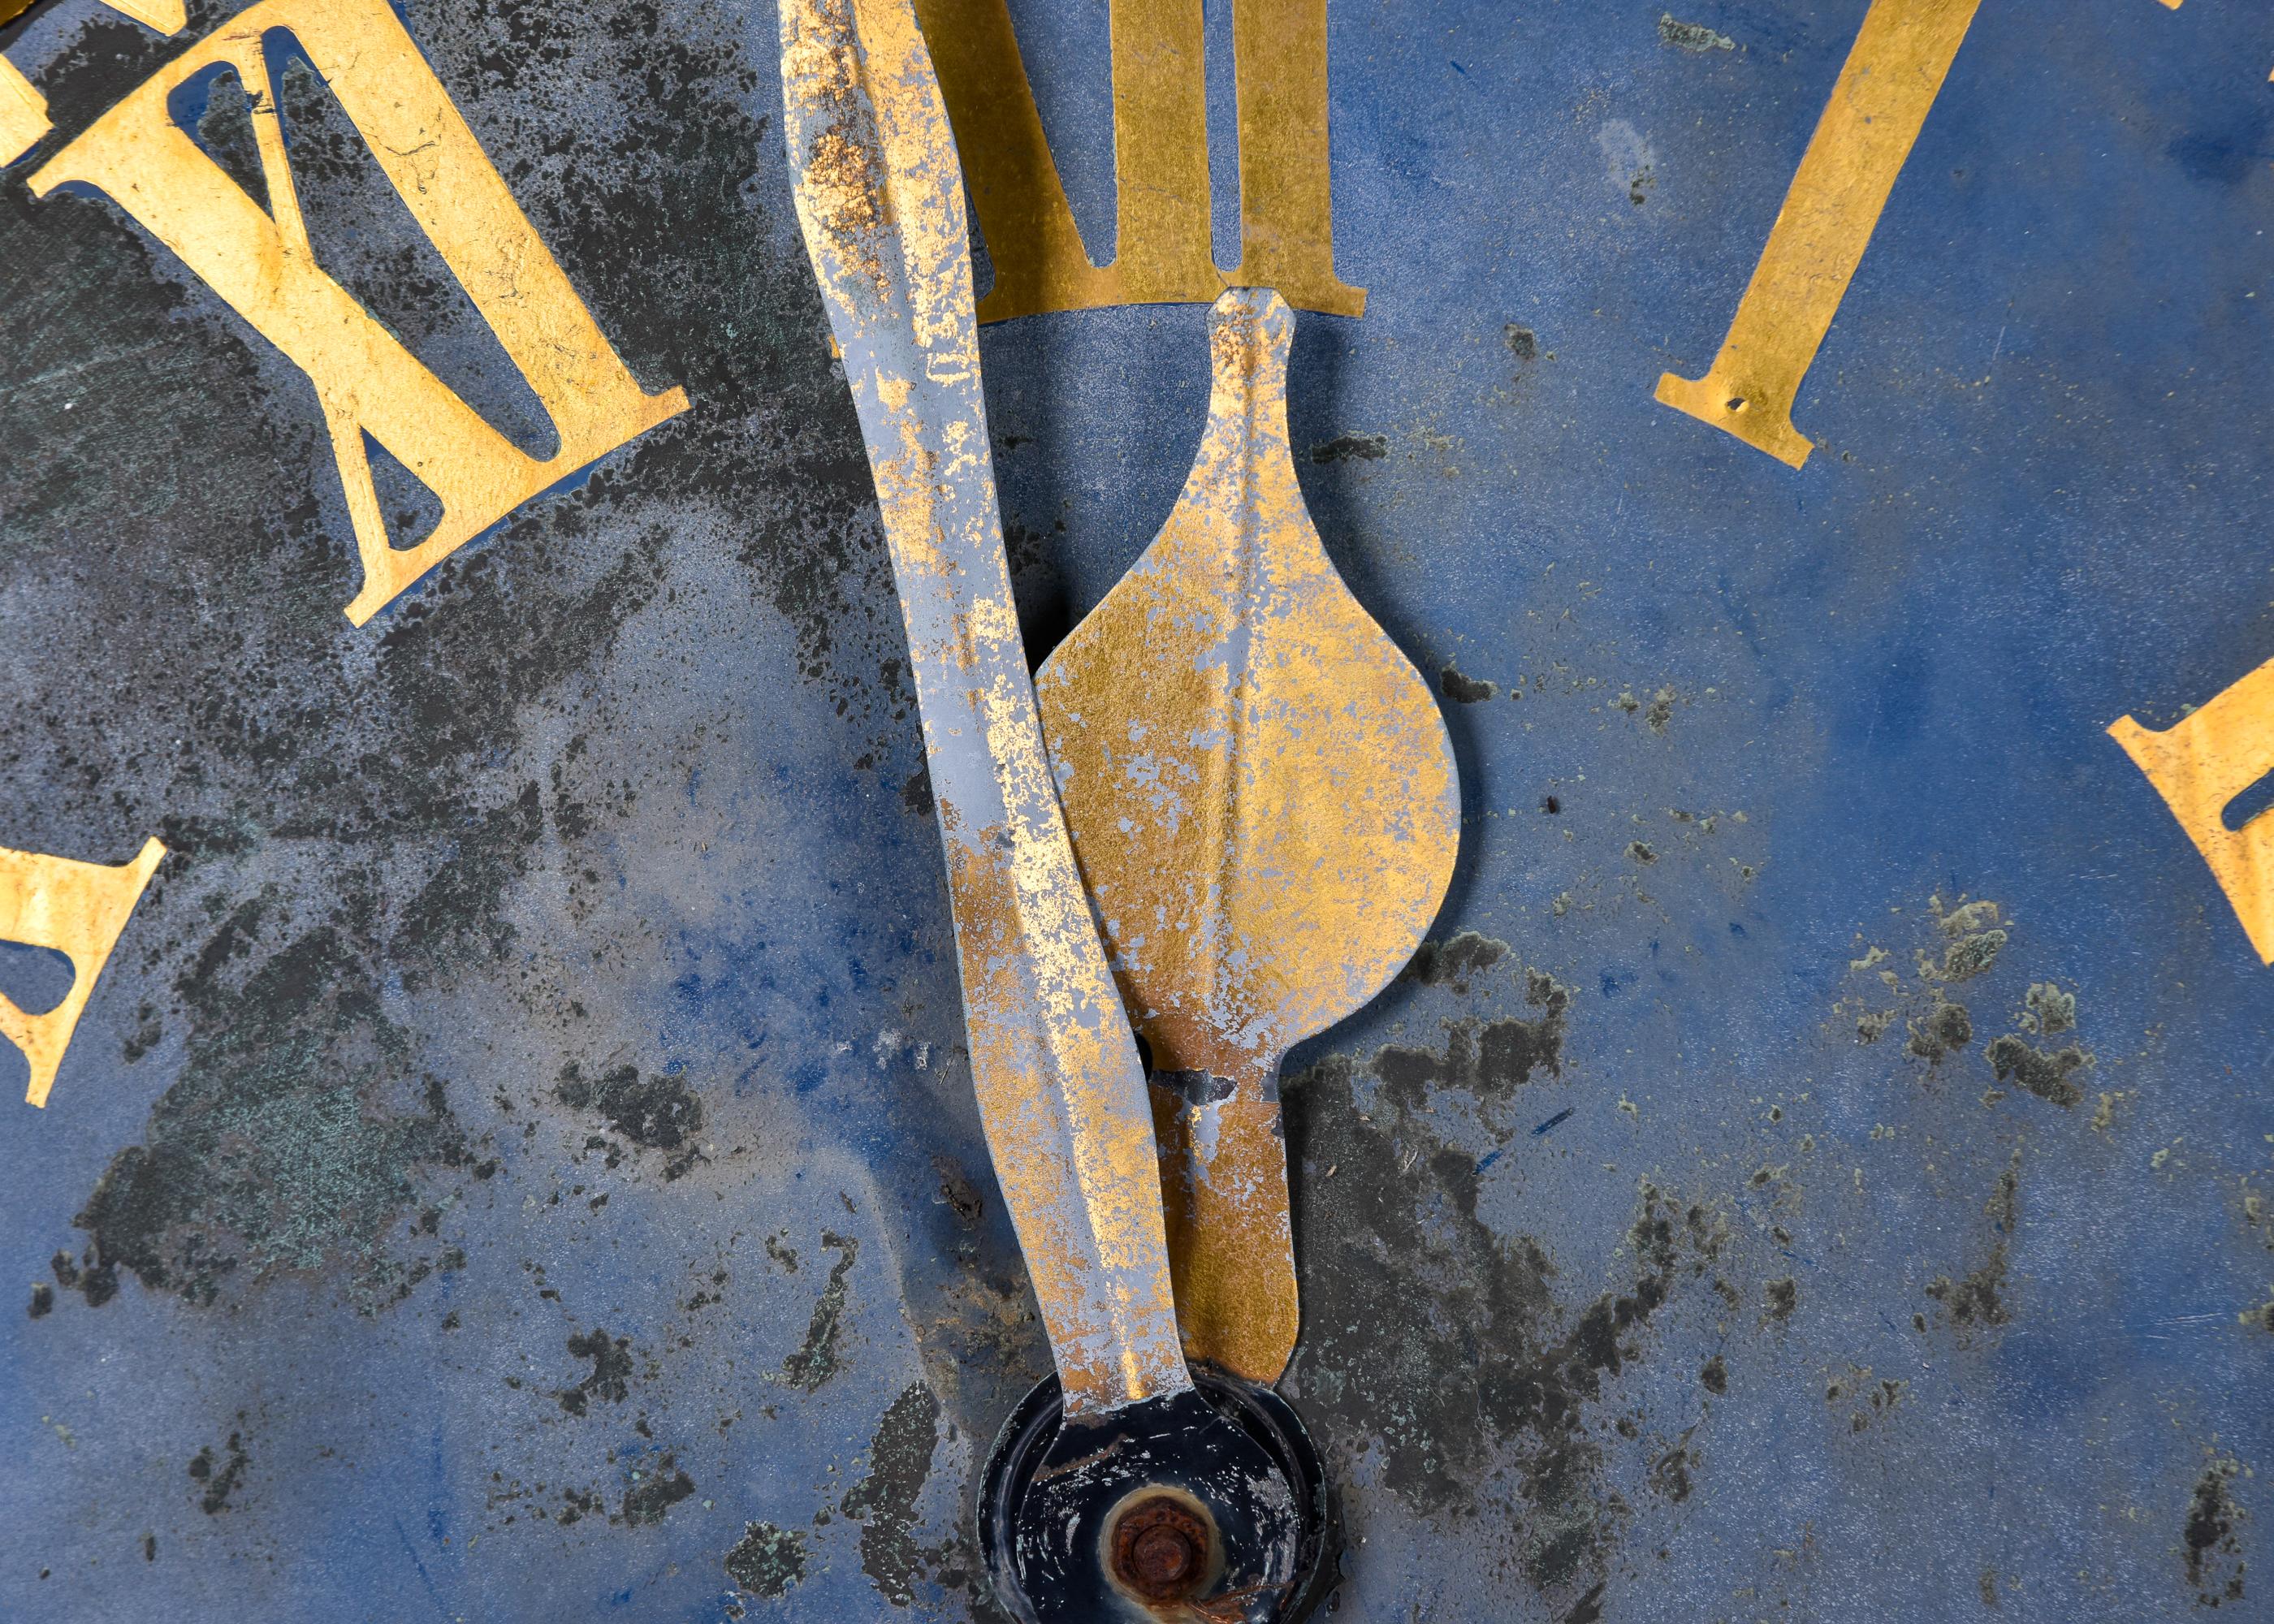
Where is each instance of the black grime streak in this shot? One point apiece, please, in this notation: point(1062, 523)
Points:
point(815, 1361)
point(1477, 1357)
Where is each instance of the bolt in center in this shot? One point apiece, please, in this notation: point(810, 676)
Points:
point(1160, 1548)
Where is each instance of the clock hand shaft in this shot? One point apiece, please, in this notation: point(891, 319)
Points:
point(1061, 1092)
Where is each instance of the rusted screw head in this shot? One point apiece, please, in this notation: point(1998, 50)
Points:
point(1160, 1548)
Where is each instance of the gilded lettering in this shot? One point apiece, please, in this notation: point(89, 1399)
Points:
point(367, 383)
point(77, 909)
point(2199, 765)
point(1878, 105)
point(1161, 249)
point(24, 111)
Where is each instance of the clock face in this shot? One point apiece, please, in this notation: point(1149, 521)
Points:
point(502, 1139)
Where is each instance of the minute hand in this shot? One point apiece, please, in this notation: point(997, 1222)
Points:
point(1061, 1092)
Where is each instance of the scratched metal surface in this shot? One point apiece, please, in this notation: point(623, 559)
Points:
point(519, 1162)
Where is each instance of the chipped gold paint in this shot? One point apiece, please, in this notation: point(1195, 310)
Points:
point(77, 909)
point(1263, 802)
point(1163, 249)
point(2199, 765)
point(880, 198)
point(1878, 105)
point(367, 383)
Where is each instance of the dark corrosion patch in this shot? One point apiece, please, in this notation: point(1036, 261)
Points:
point(1480, 1358)
point(767, 1560)
point(884, 1502)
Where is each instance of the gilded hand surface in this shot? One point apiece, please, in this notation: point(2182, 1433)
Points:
point(1061, 1092)
point(1262, 799)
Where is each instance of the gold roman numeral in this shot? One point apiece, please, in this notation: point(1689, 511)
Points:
point(365, 381)
point(1161, 252)
point(24, 111)
point(2199, 765)
point(1880, 104)
point(76, 909)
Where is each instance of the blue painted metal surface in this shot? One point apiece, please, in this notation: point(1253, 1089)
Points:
point(520, 1162)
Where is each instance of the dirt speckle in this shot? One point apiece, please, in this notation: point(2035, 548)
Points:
point(2044, 1074)
point(649, 1500)
point(1869, 1397)
point(44, 1300)
point(2047, 1010)
point(610, 1376)
point(2213, 1550)
point(1522, 342)
point(1978, 1300)
point(1455, 961)
point(98, 1283)
point(1695, 38)
point(1465, 690)
point(217, 1478)
point(1941, 1031)
point(1714, 1376)
point(1671, 1472)
point(767, 1560)
point(1780, 1297)
point(958, 1194)
point(1343, 448)
point(657, 1113)
point(1970, 955)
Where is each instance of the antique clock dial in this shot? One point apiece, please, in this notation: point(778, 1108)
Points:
point(958, 809)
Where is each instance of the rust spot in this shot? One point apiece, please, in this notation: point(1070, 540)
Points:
point(1160, 1548)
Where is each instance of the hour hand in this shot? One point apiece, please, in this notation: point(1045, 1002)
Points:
point(1262, 799)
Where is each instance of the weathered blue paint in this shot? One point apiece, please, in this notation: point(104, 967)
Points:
point(2044, 444)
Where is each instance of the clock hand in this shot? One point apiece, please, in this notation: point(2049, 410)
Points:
point(1121, 1491)
point(1263, 801)
point(1061, 1092)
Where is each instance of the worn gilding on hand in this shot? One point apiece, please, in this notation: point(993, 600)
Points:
point(1263, 802)
point(1878, 104)
point(1060, 1090)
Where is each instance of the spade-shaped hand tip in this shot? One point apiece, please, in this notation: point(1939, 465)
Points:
point(1262, 799)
